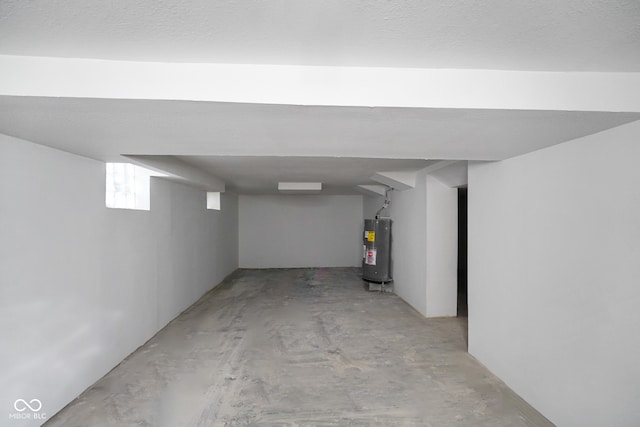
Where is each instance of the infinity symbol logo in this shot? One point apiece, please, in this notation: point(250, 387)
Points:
point(22, 405)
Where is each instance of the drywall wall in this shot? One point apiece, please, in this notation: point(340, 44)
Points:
point(82, 286)
point(424, 244)
point(371, 205)
point(409, 243)
point(554, 245)
point(287, 231)
point(442, 248)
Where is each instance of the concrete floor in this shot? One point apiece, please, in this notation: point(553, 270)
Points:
point(301, 347)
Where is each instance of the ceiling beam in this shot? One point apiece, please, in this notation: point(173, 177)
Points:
point(373, 190)
point(454, 174)
point(398, 180)
point(178, 170)
point(321, 86)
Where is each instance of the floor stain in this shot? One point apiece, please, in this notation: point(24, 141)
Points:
point(301, 347)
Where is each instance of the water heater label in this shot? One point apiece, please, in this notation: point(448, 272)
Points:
point(372, 236)
point(371, 257)
point(366, 234)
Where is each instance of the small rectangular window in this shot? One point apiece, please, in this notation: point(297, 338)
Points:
point(128, 186)
point(213, 200)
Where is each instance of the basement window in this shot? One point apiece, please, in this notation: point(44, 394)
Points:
point(128, 186)
point(213, 200)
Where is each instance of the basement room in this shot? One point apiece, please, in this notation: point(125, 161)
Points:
point(336, 213)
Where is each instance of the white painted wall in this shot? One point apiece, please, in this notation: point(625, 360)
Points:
point(409, 243)
point(82, 286)
point(442, 248)
point(554, 262)
point(288, 231)
point(371, 205)
point(424, 244)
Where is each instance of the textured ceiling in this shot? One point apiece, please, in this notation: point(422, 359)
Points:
point(599, 35)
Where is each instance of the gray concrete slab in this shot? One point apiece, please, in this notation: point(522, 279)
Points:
point(301, 347)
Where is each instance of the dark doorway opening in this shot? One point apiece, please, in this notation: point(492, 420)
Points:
point(462, 252)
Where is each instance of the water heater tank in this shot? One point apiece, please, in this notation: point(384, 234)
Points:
point(376, 263)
